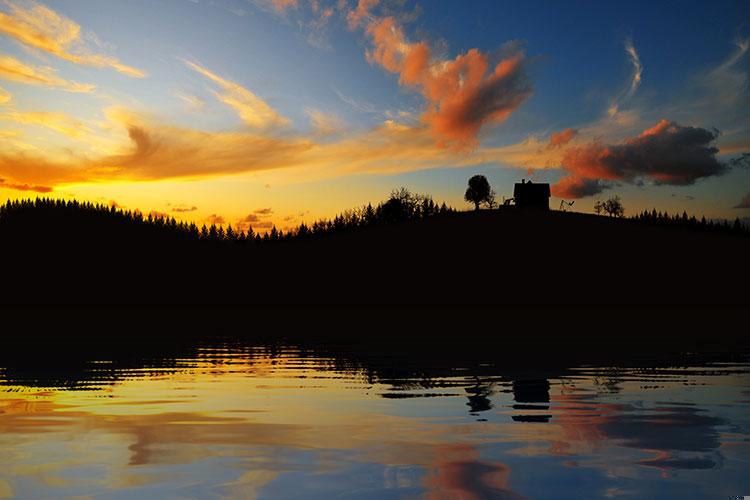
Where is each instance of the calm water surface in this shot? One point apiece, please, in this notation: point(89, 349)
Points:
point(254, 421)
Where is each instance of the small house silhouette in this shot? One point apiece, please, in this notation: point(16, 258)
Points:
point(530, 195)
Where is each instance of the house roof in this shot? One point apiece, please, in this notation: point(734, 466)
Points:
point(531, 189)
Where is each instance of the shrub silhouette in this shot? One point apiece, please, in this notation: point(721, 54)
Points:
point(612, 207)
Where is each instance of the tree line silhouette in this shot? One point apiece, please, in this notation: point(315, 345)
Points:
point(683, 221)
point(401, 206)
point(19, 216)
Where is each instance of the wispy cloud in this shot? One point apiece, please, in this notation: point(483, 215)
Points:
point(317, 27)
point(55, 121)
point(323, 123)
point(14, 70)
point(253, 110)
point(743, 45)
point(359, 105)
point(728, 82)
point(5, 96)
point(635, 78)
point(237, 11)
point(40, 27)
point(191, 101)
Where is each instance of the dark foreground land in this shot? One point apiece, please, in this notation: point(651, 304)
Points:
point(493, 258)
point(517, 288)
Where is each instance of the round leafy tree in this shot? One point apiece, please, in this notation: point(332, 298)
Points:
point(479, 191)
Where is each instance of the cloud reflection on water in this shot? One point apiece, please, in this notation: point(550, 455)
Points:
point(258, 423)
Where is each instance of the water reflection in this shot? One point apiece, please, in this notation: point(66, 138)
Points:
point(254, 419)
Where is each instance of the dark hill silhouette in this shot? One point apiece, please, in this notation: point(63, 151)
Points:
point(70, 253)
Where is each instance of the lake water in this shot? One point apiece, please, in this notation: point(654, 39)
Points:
point(251, 420)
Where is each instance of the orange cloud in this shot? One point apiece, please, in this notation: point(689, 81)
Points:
point(42, 28)
point(14, 70)
point(154, 151)
point(168, 152)
point(462, 94)
point(253, 110)
point(24, 187)
point(23, 168)
point(562, 138)
point(572, 186)
point(667, 153)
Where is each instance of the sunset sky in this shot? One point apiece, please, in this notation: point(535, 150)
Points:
point(269, 112)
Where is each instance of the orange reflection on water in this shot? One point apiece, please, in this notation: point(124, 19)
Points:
point(254, 424)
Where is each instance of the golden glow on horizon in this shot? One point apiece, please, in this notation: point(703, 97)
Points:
point(160, 152)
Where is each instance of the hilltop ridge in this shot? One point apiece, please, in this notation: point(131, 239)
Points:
point(504, 256)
